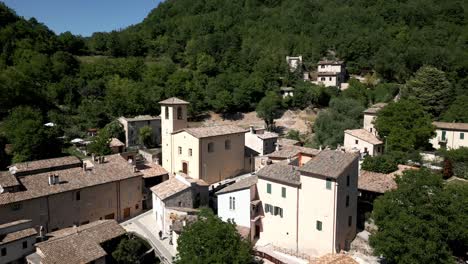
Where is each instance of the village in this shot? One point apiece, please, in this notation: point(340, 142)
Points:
point(295, 204)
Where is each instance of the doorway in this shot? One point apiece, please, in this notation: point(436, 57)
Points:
point(185, 167)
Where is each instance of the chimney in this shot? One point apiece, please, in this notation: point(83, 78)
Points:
point(252, 130)
point(51, 179)
point(278, 147)
point(103, 159)
point(93, 157)
point(56, 179)
point(84, 166)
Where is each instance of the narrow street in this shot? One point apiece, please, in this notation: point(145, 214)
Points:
point(145, 226)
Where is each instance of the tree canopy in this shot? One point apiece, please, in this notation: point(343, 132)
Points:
point(404, 125)
point(422, 221)
point(210, 240)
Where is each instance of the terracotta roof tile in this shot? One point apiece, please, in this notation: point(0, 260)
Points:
point(7, 179)
point(329, 163)
point(364, 135)
point(292, 151)
point(141, 118)
point(115, 142)
point(375, 108)
point(280, 172)
point(115, 168)
point(212, 131)
point(451, 126)
point(173, 100)
point(50, 164)
point(239, 185)
point(150, 170)
point(287, 142)
point(267, 135)
point(169, 188)
point(79, 244)
point(335, 259)
point(17, 235)
point(380, 182)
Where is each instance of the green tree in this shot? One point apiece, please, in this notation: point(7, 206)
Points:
point(294, 134)
point(145, 136)
point(115, 130)
point(383, 164)
point(100, 144)
point(457, 112)
point(24, 129)
point(130, 250)
point(210, 240)
point(404, 125)
point(269, 108)
point(422, 221)
point(431, 89)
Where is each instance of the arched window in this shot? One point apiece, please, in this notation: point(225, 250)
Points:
point(166, 111)
point(227, 144)
point(179, 113)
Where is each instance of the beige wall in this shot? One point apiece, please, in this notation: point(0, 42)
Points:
point(221, 163)
point(453, 140)
point(276, 230)
point(167, 127)
point(63, 210)
point(350, 142)
point(369, 123)
point(186, 142)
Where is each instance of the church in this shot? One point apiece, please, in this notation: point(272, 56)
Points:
point(211, 154)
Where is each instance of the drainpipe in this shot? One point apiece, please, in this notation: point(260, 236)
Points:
point(334, 217)
point(297, 221)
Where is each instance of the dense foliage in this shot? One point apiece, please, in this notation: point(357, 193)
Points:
point(131, 250)
point(210, 240)
point(456, 162)
point(405, 126)
point(382, 164)
point(423, 221)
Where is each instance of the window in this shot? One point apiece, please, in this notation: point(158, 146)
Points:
point(210, 147)
point(347, 180)
point(350, 220)
point(78, 195)
point(322, 79)
point(166, 112)
point(347, 200)
point(278, 211)
point(232, 203)
point(190, 152)
point(371, 129)
point(330, 78)
point(137, 206)
point(378, 149)
point(322, 66)
point(356, 142)
point(462, 135)
point(179, 113)
point(180, 150)
point(227, 144)
point(319, 225)
point(16, 207)
point(269, 188)
point(444, 134)
point(329, 184)
point(268, 208)
point(25, 244)
point(283, 192)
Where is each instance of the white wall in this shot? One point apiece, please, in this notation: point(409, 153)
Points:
point(453, 139)
point(158, 211)
point(369, 123)
point(330, 68)
point(241, 213)
point(350, 142)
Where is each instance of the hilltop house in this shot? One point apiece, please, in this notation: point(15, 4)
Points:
point(450, 135)
point(132, 126)
point(330, 73)
point(210, 154)
point(365, 140)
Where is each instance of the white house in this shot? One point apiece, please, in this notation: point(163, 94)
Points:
point(17, 240)
point(238, 202)
point(330, 73)
point(365, 140)
point(450, 135)
point(259, 142)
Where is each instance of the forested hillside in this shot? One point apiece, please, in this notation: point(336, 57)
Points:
point(220, 55)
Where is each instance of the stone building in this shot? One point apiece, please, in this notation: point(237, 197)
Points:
point(63, 192)
point(132, 126)
point(17, 240)
point(210, 154)
point(330, 73)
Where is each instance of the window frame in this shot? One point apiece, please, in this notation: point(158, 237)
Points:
point(462, 135)
point(319, 225)
point(77, 196)
point(347, 201)
point(190, 152)
point(283, 192)
point(350, 220)
point(210, 147)
point(179, 150)
point(166, 112)
point(328, 184)
point(25, 244)
point(180, 115)
point(269, 188)
point(227, 144)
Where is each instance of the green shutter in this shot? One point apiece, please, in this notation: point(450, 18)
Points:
point(283, 192)
point(462, 135)
point(268, 188)
point(443, 134)
point(319, 226)
point(329, 184)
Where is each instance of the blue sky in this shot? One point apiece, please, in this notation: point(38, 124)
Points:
point(84, 17)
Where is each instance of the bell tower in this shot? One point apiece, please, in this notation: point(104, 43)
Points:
point(173, 118)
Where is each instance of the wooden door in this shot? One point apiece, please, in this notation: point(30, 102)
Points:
point(126, 212)
point(185, 167)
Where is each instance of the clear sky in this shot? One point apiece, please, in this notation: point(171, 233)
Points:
point(83, 17)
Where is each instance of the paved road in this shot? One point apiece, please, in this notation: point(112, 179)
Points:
point(143, 225)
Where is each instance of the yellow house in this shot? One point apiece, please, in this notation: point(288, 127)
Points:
point(310, 209)
point(450, 135)
point(211, 154)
